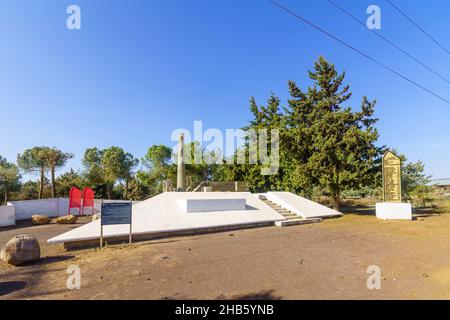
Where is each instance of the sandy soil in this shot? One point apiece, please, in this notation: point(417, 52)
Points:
point(327, 260)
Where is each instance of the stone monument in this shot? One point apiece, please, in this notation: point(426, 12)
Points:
point(392, 206)
point(181, 175)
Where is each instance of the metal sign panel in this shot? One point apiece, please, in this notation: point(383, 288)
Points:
point(116, 213)
point(392, 191)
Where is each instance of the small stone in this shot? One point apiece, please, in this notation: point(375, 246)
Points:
point(21, 249)
point(69, 219)
point(39, 219)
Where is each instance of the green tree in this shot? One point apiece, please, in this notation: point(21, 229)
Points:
point(340, 149)
point(9, 178)
point(93, 171)
point(269, 117)
point(28, 190)
point(129, 164)
point(55, 159)
point(203, 170)
point(68, 180)
point(324, 144)
point(159, 167)
point(422, 195)
point(112, 164)
point(108, 166)
point(413, 176)
point(35, 160)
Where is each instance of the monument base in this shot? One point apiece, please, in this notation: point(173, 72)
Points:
point(394, 211)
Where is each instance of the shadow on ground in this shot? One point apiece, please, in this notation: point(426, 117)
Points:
point(359, 210)
point(262, 295)
point(49, 260)
point(11, 286)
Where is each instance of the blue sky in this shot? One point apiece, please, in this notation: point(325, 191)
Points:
point(137, 70)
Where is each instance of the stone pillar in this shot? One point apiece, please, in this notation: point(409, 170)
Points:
point(181, 175)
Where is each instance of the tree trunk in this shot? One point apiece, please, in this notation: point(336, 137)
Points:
point(108, 191)
point(336, 203)
point(6, 194)
point(126, 189)
point(52, 170)
point(41, 184)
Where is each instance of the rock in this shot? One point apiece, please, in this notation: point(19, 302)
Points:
point(95, 216)
point(21, 249)
point(39, 219)
point(69, 219)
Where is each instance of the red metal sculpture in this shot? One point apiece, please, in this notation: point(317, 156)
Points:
point(75, 199)
point(88, 199)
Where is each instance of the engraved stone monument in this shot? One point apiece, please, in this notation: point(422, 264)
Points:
point(392, 206)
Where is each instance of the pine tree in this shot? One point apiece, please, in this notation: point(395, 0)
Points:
point(334, 146)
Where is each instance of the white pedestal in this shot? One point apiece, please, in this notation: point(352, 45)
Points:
point(394, 211)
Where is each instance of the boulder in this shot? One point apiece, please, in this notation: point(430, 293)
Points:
point(70, 219)
point(39, 219)
point(21, 249)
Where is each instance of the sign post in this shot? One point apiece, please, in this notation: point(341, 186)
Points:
point(115, 213)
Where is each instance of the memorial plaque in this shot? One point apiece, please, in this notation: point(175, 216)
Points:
point(392, 191)
point(116, 213)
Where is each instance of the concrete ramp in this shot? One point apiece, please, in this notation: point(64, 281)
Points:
point(301, 206)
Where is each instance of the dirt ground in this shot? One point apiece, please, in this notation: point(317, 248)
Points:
point(327, 260)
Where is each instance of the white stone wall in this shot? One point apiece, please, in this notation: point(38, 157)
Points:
point(54, 207)
point(7, 216)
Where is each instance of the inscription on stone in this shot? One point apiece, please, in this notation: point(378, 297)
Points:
point(391, 178)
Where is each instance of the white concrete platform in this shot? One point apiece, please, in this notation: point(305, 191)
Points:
point(163, 213)
point(393, 211)
point(301, 206)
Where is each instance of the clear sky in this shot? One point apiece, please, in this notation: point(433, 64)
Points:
point(137, 70)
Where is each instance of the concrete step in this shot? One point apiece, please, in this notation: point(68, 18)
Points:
point(283, 211)
point(293, 222)
point(292, 217)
